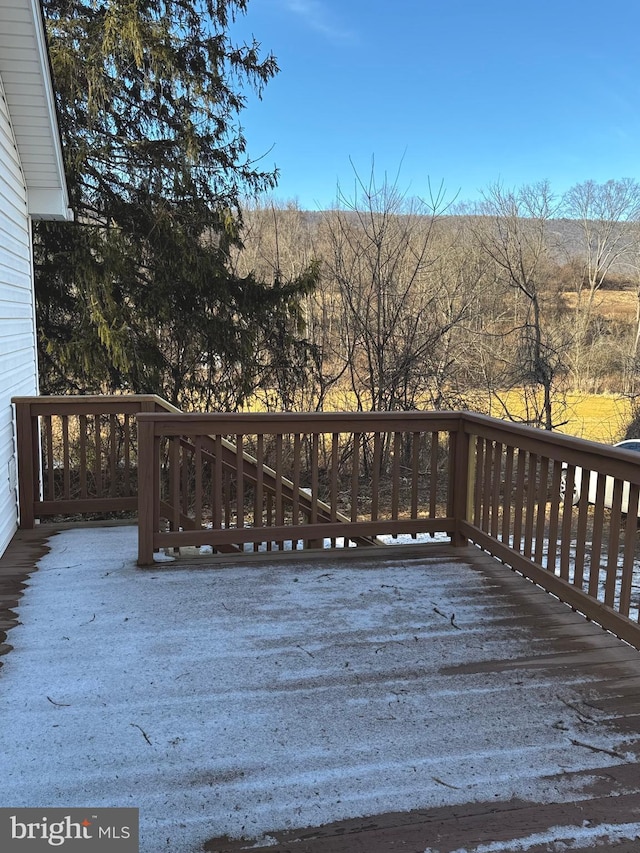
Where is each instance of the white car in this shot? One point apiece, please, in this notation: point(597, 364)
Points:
point(628, 444)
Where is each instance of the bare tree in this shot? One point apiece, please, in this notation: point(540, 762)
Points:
point(606, 214)
point(512, 230)
point(386, 260)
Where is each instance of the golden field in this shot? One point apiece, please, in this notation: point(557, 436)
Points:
point(597, 417)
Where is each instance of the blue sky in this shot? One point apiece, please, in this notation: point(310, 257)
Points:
point(465, 92)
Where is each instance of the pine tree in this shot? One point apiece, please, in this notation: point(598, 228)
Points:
point(138, 293)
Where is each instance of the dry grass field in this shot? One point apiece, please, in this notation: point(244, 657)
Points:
point(597, 417)
point(611, 304)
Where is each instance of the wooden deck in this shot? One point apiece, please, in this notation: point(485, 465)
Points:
point(604, 674)
point(603, 670)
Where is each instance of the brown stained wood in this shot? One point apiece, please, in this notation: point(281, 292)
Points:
point(495, 488)
point(596, 541)
point(240, 482)
point(487, 479)
point(227, 498)
point(314, 478)
point(375, 476)
point(415, 472)
point(66, 472)
point(433, 474)
point(217, 485)
point(148, 493)
point(630, 534)
point(530, 504)
point(567, 521)
point(113, 454)
point(581, 537)
point(508, 491)
point(198, 466)
point(541, 508)
point(355, 475)
point(295, 499)
point(453, 828)
point(127, 453)
point(48, 433)
point(279, 519)
point(554, 516)
point(479, 482)
point(518, 503)
point(174, 481)
point(83, 455)
point(395, 474)
point(615, 519)
point(97, 462)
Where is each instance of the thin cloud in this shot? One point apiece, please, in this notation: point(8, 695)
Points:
point(318, 17)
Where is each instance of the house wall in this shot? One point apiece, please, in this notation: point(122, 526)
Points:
point(18, 362)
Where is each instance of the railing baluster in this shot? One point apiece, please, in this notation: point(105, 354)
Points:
point(113, 454)
point(554, 514)
point(240, 486)
point(487, 483)
point(333, 499)
point(495, 489)
point(479, 483)
point(97, 462)
point(596, 542)
point(83, 456)
point(278, 495)
point(518, 503)
point(197, 472)
point(66, 462)
point(629, 547)
point(415, 475)
point(581, 535)
point(567, 521)
point(433, 484)
point(127, 453)
point(615, 520)
point(508, 488)
point(375, 475)
point(48, 431)
point(541, 500)
point(217, 492)
point(295, 503)
point(395, 478)
point(530, 504)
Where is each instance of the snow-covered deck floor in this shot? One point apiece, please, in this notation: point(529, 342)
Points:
point(447, 701)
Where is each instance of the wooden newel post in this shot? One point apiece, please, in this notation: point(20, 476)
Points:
point(28, 451)
point(148, 485)
point(462, 482)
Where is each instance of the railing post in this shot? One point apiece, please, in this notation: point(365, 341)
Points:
point(460, 480)
point(148, 485)
point(28, 452)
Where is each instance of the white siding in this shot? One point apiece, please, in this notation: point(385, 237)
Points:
point(18, 365)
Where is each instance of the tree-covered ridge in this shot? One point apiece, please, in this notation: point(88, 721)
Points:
point(139, 294)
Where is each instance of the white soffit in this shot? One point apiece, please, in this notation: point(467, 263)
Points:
point(26, 78)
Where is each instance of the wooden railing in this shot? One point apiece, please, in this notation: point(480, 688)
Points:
point(474, 478)
point(78, 455)
point(360, 476)
point(283, 481)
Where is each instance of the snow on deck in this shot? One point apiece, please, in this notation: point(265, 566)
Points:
point(244, 700)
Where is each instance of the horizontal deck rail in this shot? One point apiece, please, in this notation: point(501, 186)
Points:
point(560, 510)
